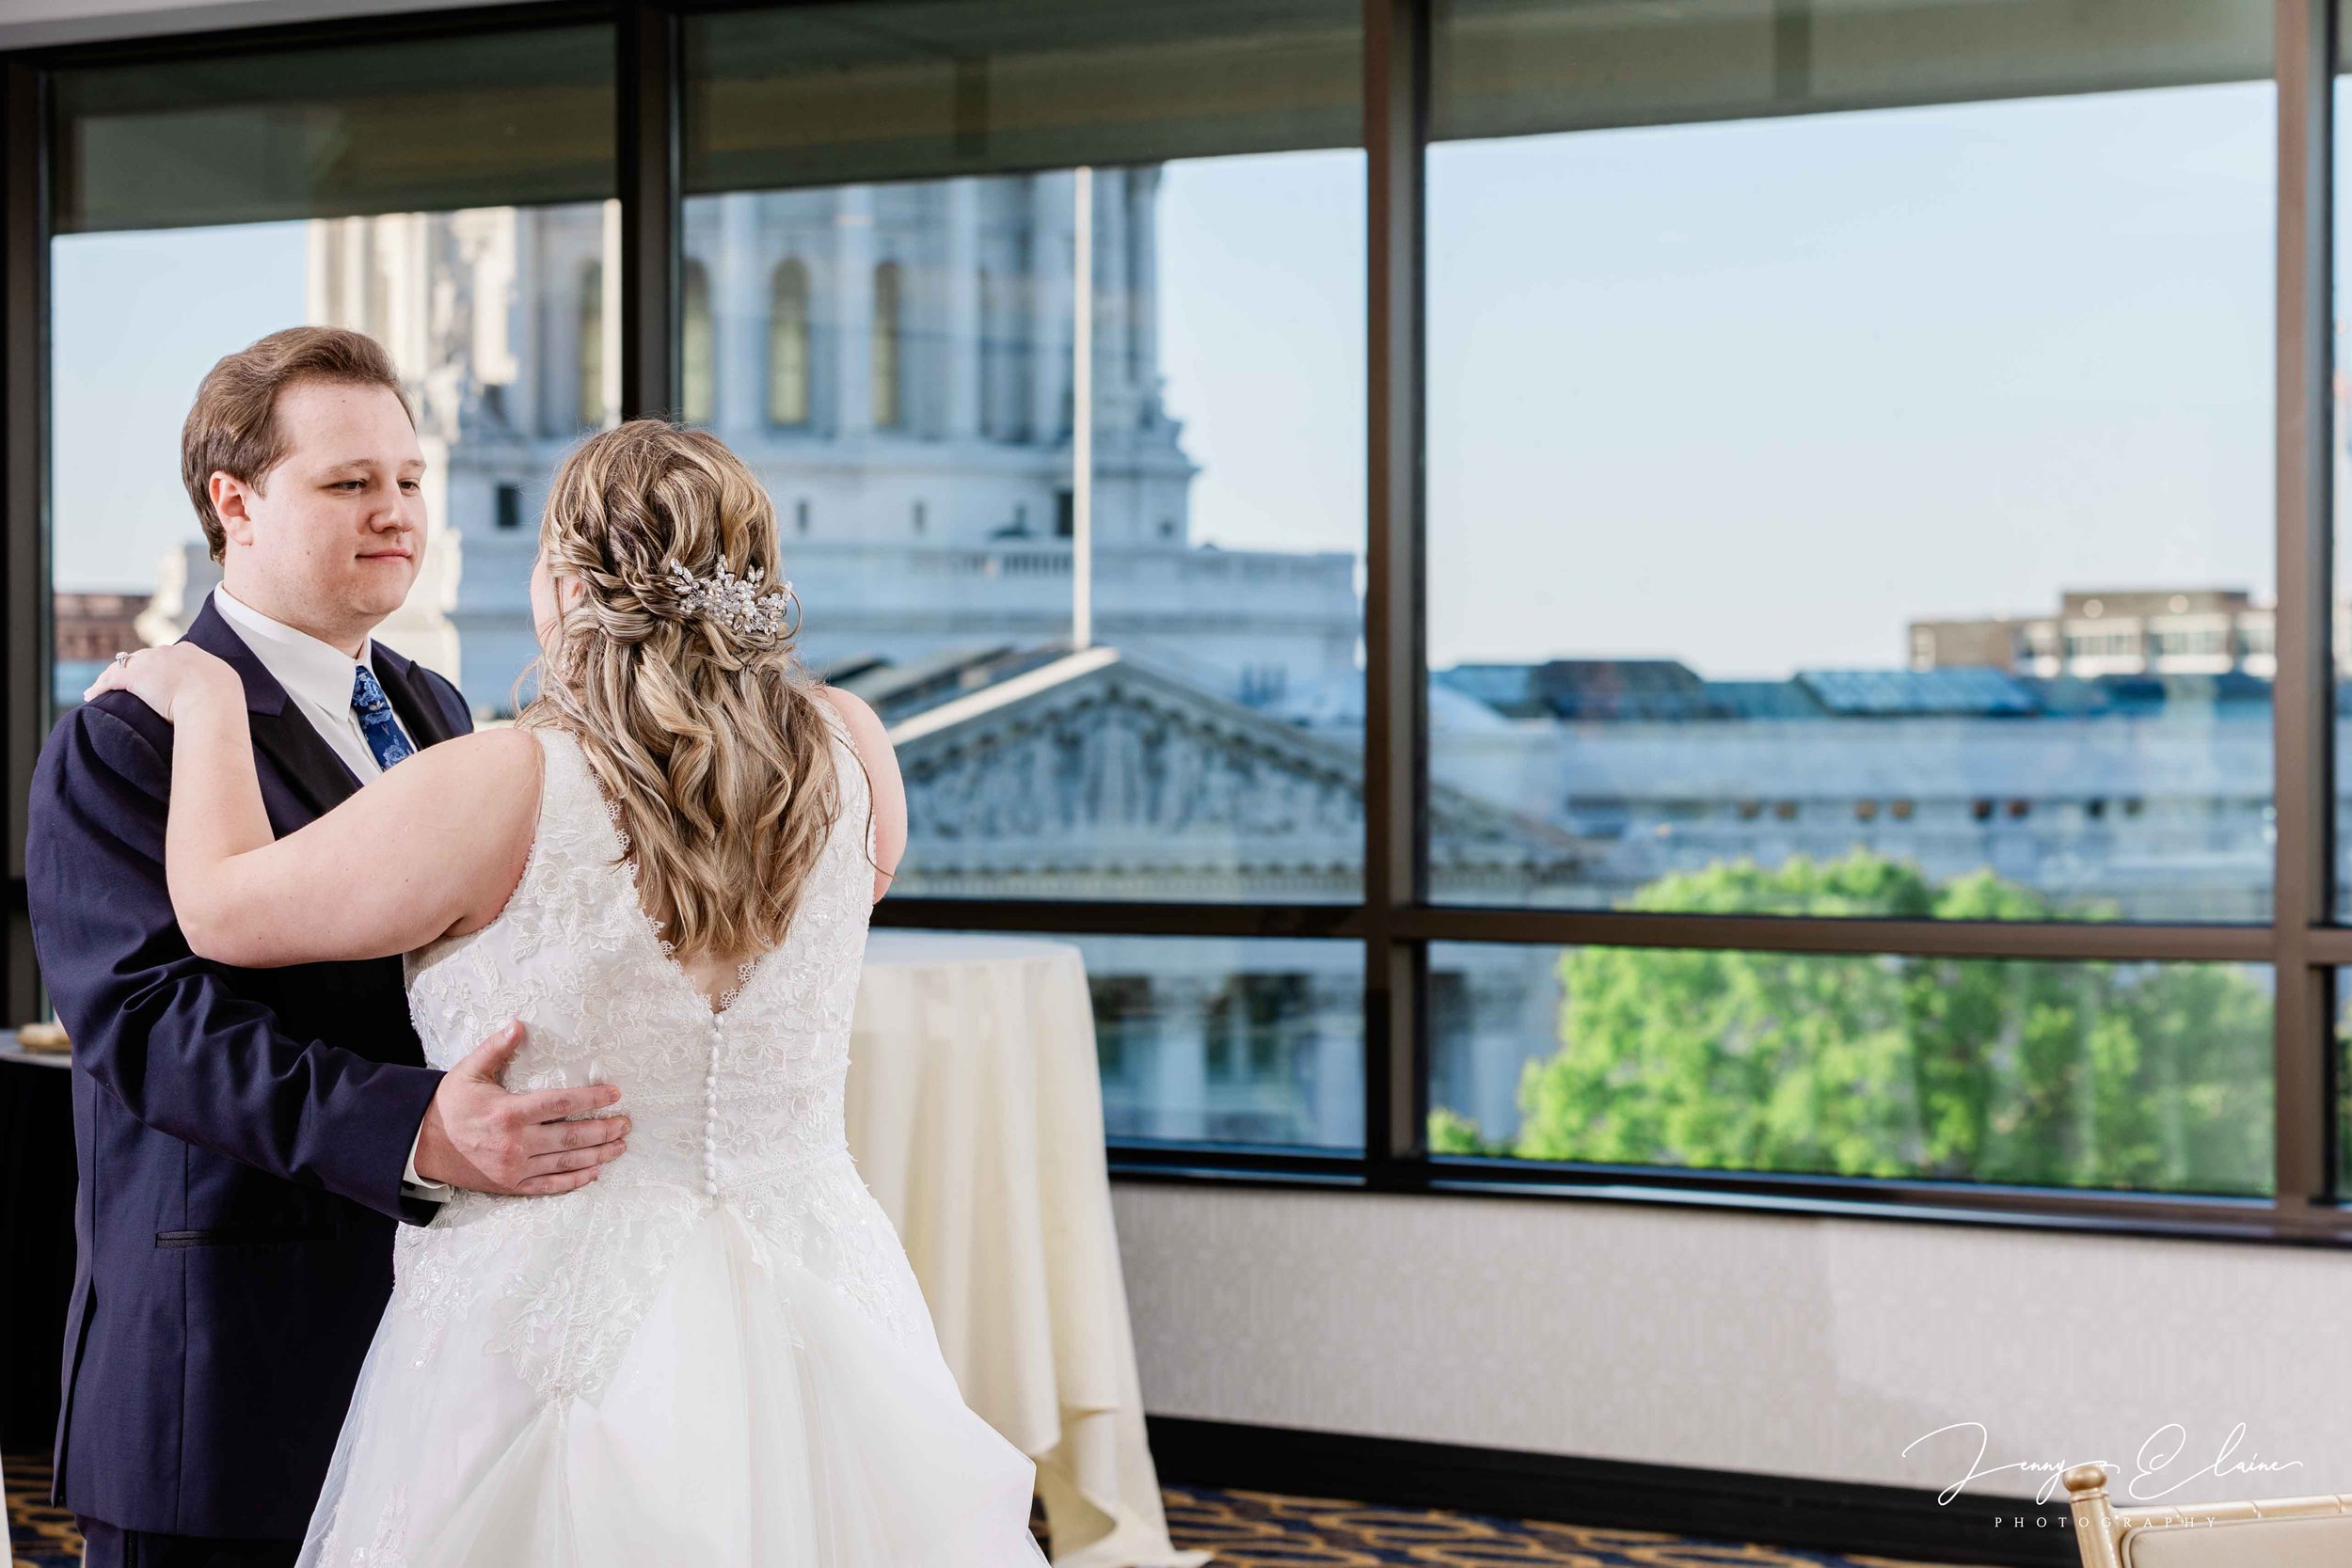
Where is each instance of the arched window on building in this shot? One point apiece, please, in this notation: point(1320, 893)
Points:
point(889, 341)
point(591, 409)
point(698, 388)
point(787, 344)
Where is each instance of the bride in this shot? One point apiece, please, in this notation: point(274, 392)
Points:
point(714, 1351)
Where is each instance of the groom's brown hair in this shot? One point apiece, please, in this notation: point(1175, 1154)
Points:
point(233, 429)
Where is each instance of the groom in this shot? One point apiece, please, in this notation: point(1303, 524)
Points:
point(247, 1139)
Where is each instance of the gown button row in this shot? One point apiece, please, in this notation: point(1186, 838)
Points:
point(710, 1115)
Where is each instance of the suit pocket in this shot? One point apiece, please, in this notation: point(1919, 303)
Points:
point(243, 1235)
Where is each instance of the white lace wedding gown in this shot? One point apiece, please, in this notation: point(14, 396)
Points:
point(716, 1352)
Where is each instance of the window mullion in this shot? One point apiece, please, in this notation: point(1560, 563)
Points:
point(2303, 692)
point(1395, 655)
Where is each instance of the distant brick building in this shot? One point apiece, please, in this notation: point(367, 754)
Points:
point(2136, 633)
point(90, 630)
point(95, 627)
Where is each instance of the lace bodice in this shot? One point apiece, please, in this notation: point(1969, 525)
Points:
point(718, 1100)
point(742, 1107)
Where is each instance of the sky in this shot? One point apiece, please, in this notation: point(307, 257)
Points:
point(137, 321)
point(1752, 395)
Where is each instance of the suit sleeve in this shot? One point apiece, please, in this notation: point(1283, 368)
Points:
point(164, 1031)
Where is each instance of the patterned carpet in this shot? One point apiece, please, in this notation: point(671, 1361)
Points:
point(1246, 1530)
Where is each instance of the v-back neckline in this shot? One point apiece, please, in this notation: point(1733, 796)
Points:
point(624, 872)
point(745, 973)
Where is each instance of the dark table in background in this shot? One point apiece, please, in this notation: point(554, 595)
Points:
point(36, 1240)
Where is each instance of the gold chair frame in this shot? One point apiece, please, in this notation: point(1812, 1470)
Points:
point(2103, 1531)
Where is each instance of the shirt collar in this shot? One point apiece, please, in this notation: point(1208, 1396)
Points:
point(318, 672)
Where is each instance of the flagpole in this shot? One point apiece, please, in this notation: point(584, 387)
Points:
point(1082, 420)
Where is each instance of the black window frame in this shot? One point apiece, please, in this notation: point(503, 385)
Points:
point(2303, 944)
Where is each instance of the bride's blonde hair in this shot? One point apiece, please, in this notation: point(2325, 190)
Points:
point(702, 729)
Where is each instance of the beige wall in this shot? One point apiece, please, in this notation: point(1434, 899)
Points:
point(1758, 1342)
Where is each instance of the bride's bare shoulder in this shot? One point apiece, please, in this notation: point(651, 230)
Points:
point(867, 729)
point(847, 704)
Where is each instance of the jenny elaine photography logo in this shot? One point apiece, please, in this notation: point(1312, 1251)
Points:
point(2164, 1464)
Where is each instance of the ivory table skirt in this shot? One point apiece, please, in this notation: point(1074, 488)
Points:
point(975, 1114)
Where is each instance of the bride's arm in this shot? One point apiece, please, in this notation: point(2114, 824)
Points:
point(434, 846)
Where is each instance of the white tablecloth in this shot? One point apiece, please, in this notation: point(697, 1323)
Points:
point(975, 1114)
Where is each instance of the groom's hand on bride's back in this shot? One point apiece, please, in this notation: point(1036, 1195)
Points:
point(479, 1136)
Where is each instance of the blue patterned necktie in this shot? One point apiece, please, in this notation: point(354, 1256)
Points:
point(376, 718)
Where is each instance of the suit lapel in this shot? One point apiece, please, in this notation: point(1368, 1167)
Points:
point(308, 765)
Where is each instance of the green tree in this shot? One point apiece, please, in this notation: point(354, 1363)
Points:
point(2145, 1076)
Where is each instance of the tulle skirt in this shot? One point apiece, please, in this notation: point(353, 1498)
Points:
point(756, 1416)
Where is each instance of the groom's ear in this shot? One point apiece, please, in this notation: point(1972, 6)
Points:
point(231, 505)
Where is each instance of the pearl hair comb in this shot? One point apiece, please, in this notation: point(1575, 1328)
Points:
point(735, 602)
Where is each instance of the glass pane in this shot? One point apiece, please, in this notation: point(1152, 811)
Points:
point(1174, 711)
point(390, 127)
point(2144, 1077)
point(1519, 67)
point(501, 320)
point(1818, 522)
point(820, 94)
point(1243, 1040)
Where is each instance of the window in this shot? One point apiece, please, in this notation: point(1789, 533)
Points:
point(787, 344)
point(1899, 669)
point(1867, 644)
point(889, 307)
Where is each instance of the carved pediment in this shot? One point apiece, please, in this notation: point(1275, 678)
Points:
point(1099, 776)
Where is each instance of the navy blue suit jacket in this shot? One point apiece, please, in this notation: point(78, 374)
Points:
point(240, 1134)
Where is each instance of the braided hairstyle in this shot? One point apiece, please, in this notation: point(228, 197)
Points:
point(702, 731)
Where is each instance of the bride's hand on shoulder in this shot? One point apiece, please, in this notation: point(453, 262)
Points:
point(169, 677)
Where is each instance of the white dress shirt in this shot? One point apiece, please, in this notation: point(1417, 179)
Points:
point(319, 677)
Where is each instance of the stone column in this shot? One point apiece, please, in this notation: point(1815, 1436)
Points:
point(738, 319)
point(960, 303)
point(523, 322)
point(1050, 205)
point(1513, 1019)
point(1114, 310)
point(1180, 1054)
point(853, 310)
point(1335, 1004)
point(325, 265)
point(1143, 208)
point(611, 318)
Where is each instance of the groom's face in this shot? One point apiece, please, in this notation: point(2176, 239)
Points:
point(333, 538)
